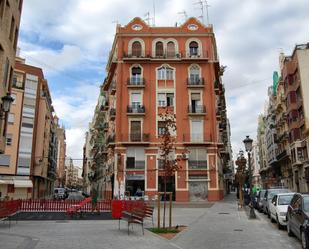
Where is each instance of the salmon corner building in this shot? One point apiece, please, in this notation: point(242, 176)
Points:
point(151, 69)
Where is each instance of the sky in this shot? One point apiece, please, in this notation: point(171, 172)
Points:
point(70, 40)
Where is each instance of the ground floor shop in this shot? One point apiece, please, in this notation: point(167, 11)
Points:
point(15, 187)
point(139, 172)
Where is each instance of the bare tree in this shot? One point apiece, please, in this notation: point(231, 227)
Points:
point(168, 160)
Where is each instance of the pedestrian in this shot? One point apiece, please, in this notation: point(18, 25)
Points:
point(139, 192)
point(94, 200)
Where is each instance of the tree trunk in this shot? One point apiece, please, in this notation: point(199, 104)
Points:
point(164, 203)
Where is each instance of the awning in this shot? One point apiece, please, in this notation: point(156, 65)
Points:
point(23, 184)
point(6, 182)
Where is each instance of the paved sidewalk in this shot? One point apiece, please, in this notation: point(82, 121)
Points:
point(207, 229)
point(223, 226)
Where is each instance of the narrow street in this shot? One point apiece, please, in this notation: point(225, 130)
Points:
point(219, 226)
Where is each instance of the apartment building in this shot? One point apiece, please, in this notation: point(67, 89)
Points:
point(255, 162)
point(72, 179)
point(28, 167)
point(282, 138)
point(86, 163)
point(95, 174)
point(229, 169)
point(295, 69)
point(290, 108)
point(61, 152)
point(151, 70)
point(10, 11)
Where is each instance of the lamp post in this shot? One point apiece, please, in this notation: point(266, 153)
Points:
point(241, 176)
point(248, 146)
point(7, 100)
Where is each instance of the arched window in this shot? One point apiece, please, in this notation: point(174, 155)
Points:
point(136, 49)
point(159, 48)
point(193, 46)
point(165, 73)
point(194, 74)
point(170, 49)
point(136, 75)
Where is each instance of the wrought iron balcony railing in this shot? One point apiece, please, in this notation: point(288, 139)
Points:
point(136, 109)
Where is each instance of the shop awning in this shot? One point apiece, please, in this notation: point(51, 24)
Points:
point(6, 182)
point(23, 184)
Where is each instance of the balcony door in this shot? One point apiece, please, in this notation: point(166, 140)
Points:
point(194, 74)
point(196, 102)
point(136, 131)
point(135, 158)
point(136, 101)
point(197, 131)
point(136, 75)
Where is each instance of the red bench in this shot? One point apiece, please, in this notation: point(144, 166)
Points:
point(74, 209)
point(137, 216)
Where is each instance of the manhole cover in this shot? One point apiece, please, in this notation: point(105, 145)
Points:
point(223, 213)
point(238, 230)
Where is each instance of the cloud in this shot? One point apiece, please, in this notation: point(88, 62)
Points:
point(75, 36)
point(74, 107)
point(53, 61)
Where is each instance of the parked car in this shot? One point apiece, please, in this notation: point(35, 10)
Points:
point(59, 193)
point(269, 194)
point(278, 208)
point(260, 198)
point(75, 196)
point(297, 218)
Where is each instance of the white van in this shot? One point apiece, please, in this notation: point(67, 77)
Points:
point(59, 193)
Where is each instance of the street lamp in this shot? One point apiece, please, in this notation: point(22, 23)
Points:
point(248, 146)
point(6, 104)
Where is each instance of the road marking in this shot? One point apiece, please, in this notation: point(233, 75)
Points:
point(173, 244)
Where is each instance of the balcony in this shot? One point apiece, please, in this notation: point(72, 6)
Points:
point(136, 82)
point(197, 55)
point(218, 87)
point(113, 88)
point(135, 138)
point(105, 126)
point(135, 110)
point(104, 149)
point(135, 164)
point(222, 126)
point(112, 113)
point(299, 103)
point(105, 106)
point(134, 57)
point(111, 140)
point(195, 138)
point(195, 82)
point(197, 164)
point(218, 113)
point(196, 110)
point(299, 154)
point(167, 56)
point(291, 106)
point(282, 155)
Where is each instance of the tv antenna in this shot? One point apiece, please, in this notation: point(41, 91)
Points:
point(203, 5)
point(184, 14)
point(147, 18)
point(154, 13)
